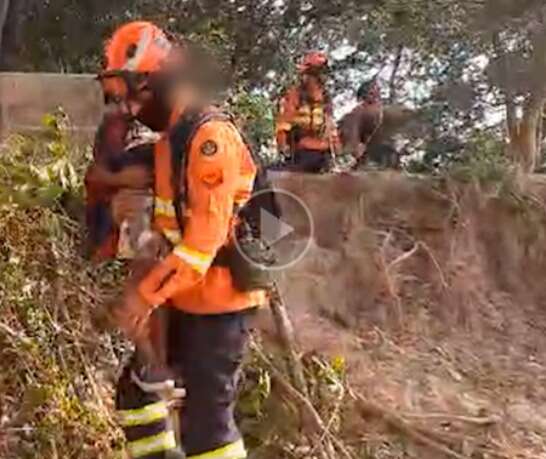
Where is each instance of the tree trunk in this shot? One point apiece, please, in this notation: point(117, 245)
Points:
point(524, 133)
point(12, 33)
point(392, 81)
point(524, 147)
point(4, 6)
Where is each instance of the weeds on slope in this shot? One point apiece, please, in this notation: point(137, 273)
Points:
point(57, 370)
point(53, 401)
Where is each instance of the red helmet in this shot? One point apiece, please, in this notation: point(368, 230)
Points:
point(313, 60)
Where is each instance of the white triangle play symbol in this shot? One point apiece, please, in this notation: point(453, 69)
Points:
point(272, 228)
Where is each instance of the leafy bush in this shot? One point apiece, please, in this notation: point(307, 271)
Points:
point(255, 115)
point(484, 161)
point(41, 169)
point(58, 371)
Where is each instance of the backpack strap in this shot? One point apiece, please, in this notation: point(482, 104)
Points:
point(181, 136)
point(180, 139)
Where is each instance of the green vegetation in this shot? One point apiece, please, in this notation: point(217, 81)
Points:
point(58, 369)
point(477, 65)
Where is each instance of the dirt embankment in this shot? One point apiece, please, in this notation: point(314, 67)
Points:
point(432, 291)
point(435, 293)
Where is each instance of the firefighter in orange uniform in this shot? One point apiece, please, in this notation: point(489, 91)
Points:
point(305, 126)
point(203, 172)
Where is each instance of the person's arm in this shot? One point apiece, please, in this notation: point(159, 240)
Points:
point(112, 165)
point(283, 124)
point(133, 176)
point(141, 155)
point(111, 135)
point(212, 182)
point(350, 134)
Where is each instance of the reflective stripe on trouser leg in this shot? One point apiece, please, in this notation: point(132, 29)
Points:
point(147, 446)
point(148, 414)
point(234, 450)
point(144, 418)
point(208, 355)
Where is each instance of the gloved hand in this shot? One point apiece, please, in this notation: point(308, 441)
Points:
point(166, 279)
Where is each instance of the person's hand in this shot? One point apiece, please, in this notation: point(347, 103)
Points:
point(166, 279)
point(151, 287)
point(284, 151)
point(132, 316)
point(134, 177)
point(97, 174)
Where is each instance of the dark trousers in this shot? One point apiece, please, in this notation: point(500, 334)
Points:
point(206, 353)
point(313, 162)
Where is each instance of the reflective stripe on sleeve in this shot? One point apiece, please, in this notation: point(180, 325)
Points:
point(302, 120)
point(283, 126)
point(174, 236)
point(164, 207)
point(197, 260)
point(247, 182)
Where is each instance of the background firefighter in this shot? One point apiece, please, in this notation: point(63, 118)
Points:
point(203, 170)
point(305, 127)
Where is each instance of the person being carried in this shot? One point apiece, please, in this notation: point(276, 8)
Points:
point(118, 187)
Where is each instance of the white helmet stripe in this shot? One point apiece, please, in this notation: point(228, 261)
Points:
point(142, 45)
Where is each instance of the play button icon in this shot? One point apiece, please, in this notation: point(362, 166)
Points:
point(273, 228)
point(285, 226)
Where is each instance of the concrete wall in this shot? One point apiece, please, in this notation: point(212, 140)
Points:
point(26, 97)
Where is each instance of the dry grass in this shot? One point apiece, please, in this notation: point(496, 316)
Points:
point(428, 341)
point(54, 385)
point(447, 329)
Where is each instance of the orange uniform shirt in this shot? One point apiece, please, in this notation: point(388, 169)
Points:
point(220, 173)
point(311, 121)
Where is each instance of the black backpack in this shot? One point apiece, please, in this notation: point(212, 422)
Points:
point(250, 258)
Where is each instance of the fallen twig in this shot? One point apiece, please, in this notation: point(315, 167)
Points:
point(404, 256)
point(480, 421)
point(394, 421)
point(312, 421)
point(285, 332)
point(428, 250)
point(6, 329)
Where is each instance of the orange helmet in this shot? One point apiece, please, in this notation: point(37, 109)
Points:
point(313, 60)
point(137, 47)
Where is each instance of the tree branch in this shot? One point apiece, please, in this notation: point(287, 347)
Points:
point(392, 81)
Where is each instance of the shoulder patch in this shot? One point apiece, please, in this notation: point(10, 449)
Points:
point(209, 148)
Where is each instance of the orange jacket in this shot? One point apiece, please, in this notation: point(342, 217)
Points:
point(220, 174)
point(305, 125)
